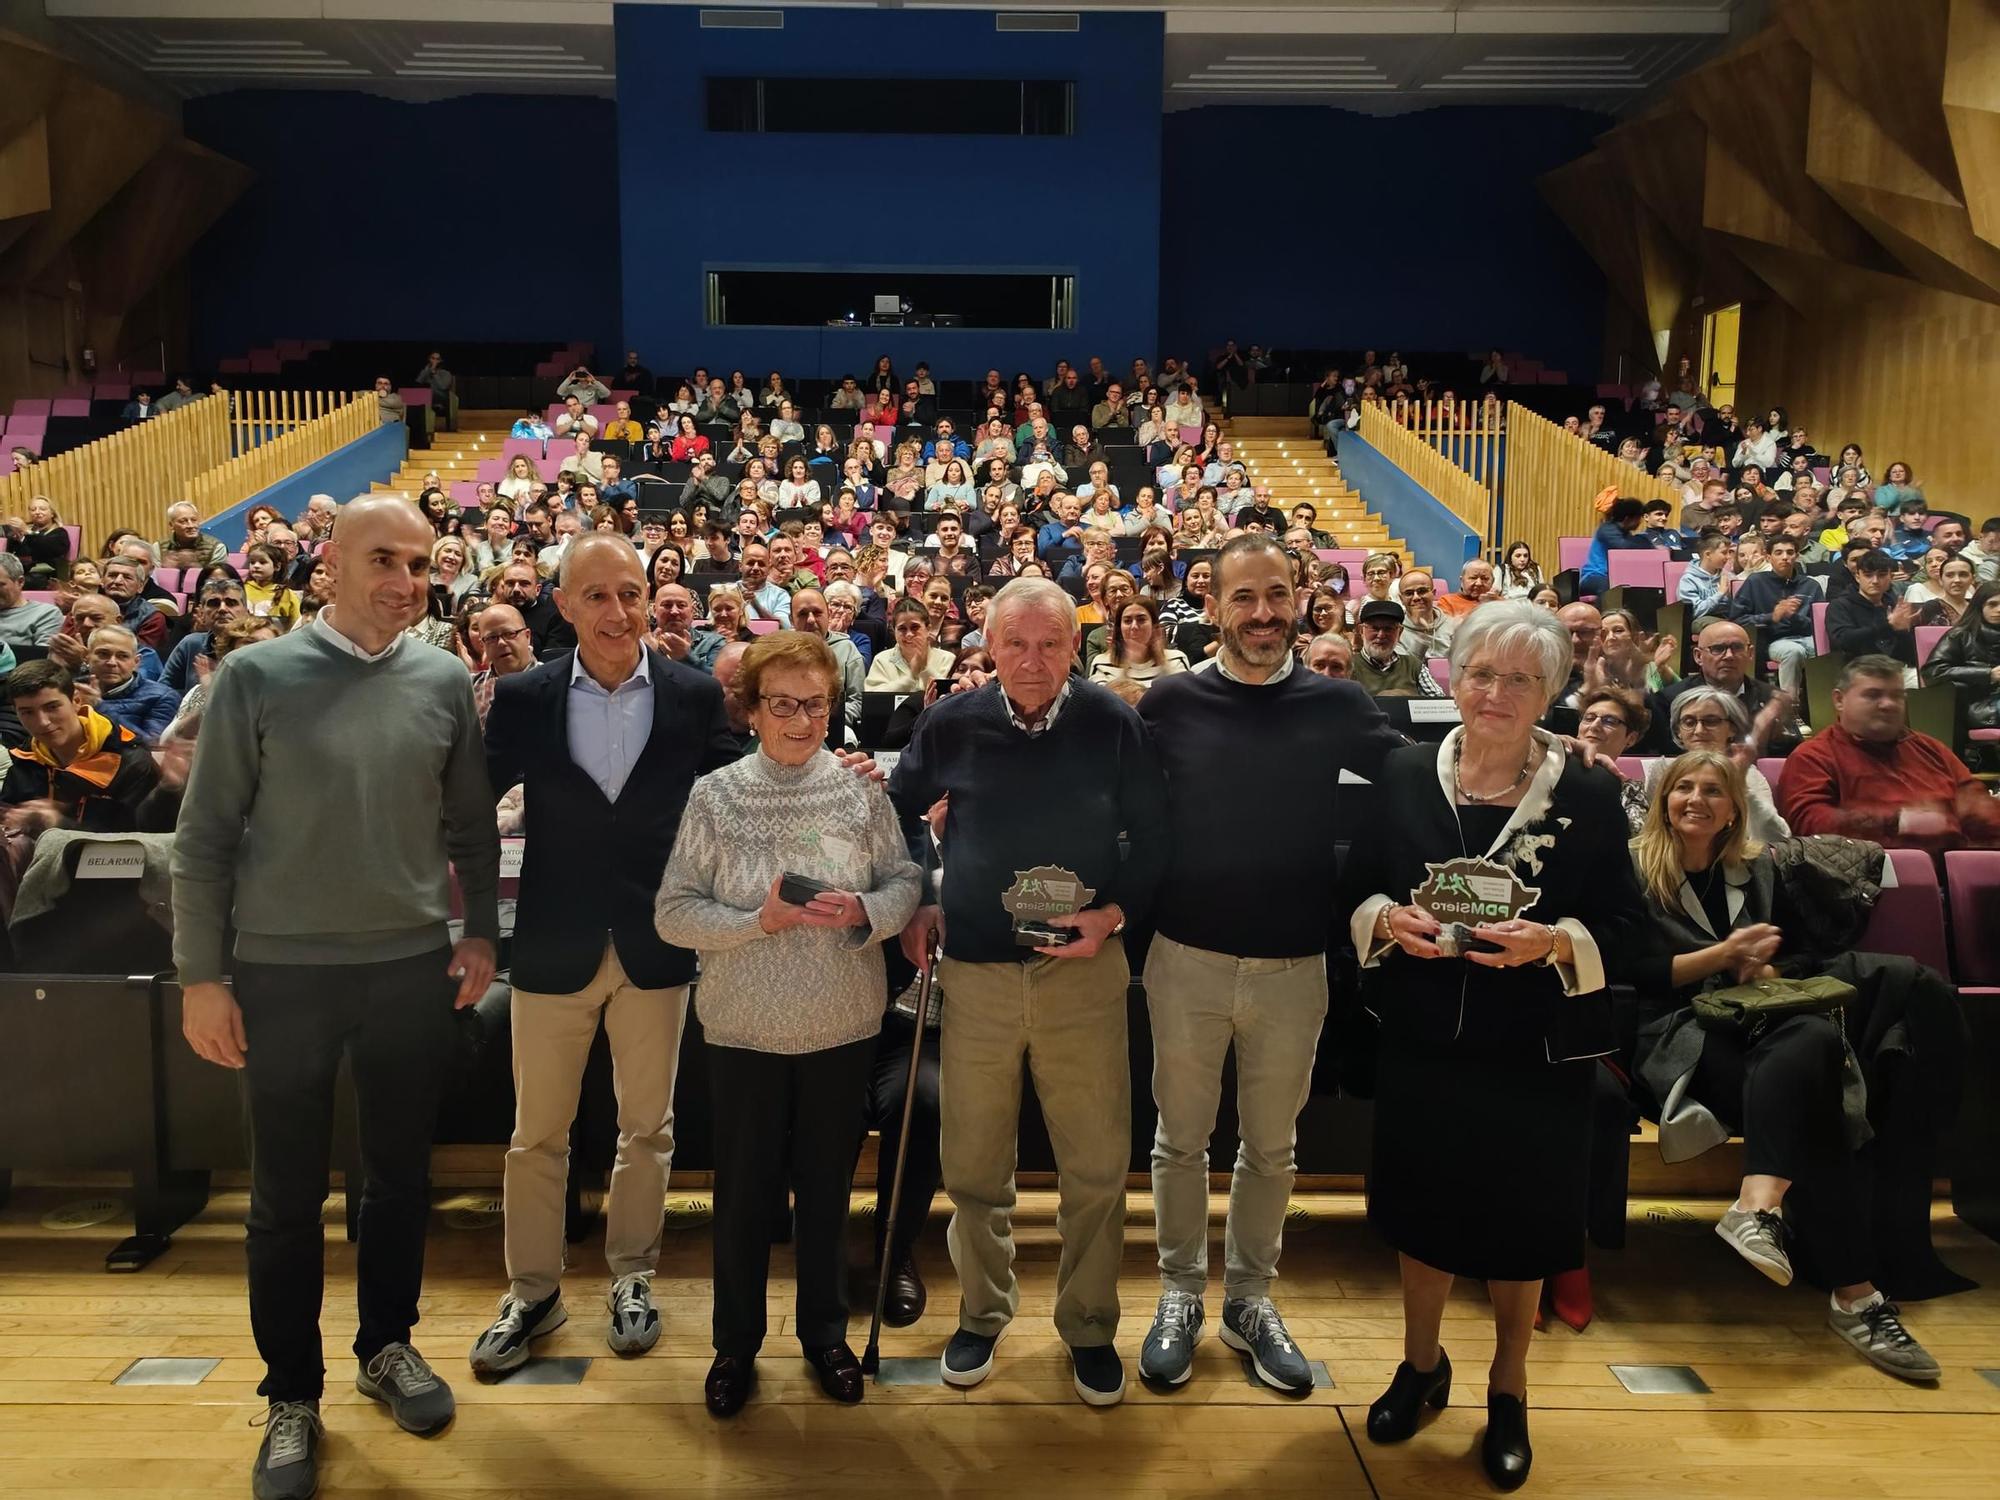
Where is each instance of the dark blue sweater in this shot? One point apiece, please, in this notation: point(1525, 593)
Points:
point(1252, 874)
point(1059, 798)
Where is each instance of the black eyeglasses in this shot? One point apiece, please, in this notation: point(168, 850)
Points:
point(783, 707)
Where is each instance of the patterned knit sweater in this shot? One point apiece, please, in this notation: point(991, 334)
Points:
point(807, 988)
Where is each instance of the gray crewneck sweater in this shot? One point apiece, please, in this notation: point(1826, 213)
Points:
point(326, 796)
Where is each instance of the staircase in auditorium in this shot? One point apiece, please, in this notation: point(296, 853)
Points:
point(457, 454)
point(1281, 452)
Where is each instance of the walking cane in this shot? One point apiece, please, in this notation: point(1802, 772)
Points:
point(871, 1358)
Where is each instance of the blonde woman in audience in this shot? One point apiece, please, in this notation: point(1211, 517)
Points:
point(915, 663)
point(448, 570)
point(521, 479)
point(727, 613)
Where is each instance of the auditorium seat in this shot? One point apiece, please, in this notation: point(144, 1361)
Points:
point(70, 406)
point(1637, 569)
point(1571, 552)
point(1440, 669)
point(1820, 642)
point(1927, 638)
point(1972, 886)
point(763, 627)
point(1909, 917)
point(32, 406)
point(114, 391)
point(1773, 766)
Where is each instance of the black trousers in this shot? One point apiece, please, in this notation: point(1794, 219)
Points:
point(923, 1174)
point(1782, 1093)
point(780, 1120)
point(393, 1021)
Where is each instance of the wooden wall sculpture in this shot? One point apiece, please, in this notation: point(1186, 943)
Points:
point(1838, 175)
point(100, 199)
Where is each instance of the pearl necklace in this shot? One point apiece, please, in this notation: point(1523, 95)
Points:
point(1478, 797)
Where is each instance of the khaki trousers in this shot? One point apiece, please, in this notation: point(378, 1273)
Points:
point(1065, 1017)
point(552, 1037)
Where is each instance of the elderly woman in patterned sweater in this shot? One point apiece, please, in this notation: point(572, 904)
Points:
point(790, 998)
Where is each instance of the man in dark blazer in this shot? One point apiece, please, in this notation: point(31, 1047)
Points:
point(607, 740)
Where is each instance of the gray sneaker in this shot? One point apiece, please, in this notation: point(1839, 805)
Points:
point(287, 1460)
point(1251, 1325)
point(1167, 1356)
point(504, 1344)
point(1758, 1235)
point(418, 1400)
point(1876, 1329)
point(635, 1322)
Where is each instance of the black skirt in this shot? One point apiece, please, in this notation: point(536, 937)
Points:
point(1481, 1159)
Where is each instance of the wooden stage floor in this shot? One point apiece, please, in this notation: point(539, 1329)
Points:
point(1792, 1412)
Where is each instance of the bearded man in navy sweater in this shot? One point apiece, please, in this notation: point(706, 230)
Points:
point(1019, 879)
point(1239, 957)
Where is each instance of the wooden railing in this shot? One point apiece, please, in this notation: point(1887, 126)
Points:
point(1460, 493)
point(285, 441)
point(129, 477)
point(1468, 433)
point(1553, 480)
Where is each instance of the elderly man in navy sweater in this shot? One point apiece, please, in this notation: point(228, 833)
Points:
point(1239, 958)
point(1057, 1006)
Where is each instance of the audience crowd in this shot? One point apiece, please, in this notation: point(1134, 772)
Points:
point(871, 537)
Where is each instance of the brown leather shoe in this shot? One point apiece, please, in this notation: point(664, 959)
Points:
point(729, 1384)
point(839, 1372)
point(907, 1296)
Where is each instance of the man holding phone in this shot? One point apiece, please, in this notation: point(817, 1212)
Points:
point(1018, 877)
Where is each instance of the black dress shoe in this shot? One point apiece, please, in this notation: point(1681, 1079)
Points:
point(839, 1372)
point(1504, 1449)
point(906, 1294)
point(1393, 1417)
point(729, 1384)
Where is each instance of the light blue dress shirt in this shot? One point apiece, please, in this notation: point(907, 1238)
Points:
point(608, 731)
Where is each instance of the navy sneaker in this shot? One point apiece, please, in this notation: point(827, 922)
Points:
point(1167, 1356)
point(1099, 1374)
point(287, 1460)
point(968, 1358)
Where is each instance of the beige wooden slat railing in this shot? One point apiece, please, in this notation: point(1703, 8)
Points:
point(285, 431)
point(1553, 480)
point(1467, 433)
point(1459, 492)
point(128, 478)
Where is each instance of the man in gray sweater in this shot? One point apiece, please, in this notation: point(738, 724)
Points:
point(338, 779)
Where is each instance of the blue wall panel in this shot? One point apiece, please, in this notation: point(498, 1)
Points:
point(344, 473)
point(1087, 203)
point(376, 219)
point(1437, 539)
point(1301, 226)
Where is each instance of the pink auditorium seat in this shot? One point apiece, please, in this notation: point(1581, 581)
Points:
point(115, 391)
point(763, 627)
point(1927, 638)
point(1571, 552)
point(70, 406)
point(1909, 919)
point(532, 447)
point(152, 380)
point(1350, 558)
point(289, 349)
point(265, 362)
point(604, 413)
point(29, 430)
point(1440, 667)
point(31, 406)
point(1636, 569)
point(617, 396)
point(415, 395)
point(75, 540)
point(1671, 578)
point(464, 492)
point(1820, 644)
point(491, 470)
point(39, 596)
point(556, 409)
point(1972, 886)
point(234, 364)
point(1632, 767)
point(549, 370)
point(1773, 766)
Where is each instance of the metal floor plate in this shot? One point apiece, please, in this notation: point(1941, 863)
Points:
point(154, 1371)
point(1992, 1376)
point(566, 1370)
point(1660, 1380)
point(909, 1370)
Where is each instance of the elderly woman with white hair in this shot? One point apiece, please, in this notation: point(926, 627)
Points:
point(1707, 718)
point(1493, 902)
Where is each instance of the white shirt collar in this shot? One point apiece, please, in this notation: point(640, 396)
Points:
point(1283, 671)
point(323, 622)
point(578, 673)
